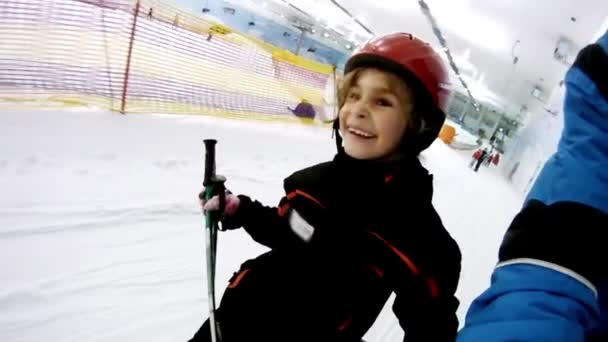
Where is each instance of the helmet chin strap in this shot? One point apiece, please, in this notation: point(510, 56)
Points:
point(337, 136)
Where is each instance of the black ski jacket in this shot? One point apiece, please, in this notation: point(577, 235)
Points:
point(346, 235)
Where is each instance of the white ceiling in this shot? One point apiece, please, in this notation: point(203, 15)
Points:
point(481, 34)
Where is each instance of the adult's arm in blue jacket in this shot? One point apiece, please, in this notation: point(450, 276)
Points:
point(551, 280)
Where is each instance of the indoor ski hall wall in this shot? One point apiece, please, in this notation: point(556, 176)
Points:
point(538, 141)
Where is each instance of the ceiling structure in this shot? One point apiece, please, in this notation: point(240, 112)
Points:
point(484, 36)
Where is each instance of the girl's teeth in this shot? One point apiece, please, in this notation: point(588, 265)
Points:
point(361, 133)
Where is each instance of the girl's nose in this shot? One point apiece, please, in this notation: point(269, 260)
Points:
point(360, 109)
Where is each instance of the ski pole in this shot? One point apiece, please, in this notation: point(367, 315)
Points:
point(214, 185)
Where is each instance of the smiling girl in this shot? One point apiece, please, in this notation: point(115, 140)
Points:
point(351, 231)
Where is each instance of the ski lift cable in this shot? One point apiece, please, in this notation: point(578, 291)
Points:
point(426, 11)
point(424, 7)
point(298, 9)
point(347, 12)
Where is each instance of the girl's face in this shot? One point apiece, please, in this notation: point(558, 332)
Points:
point(374, 115)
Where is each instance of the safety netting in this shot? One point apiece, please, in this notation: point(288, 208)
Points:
point(149, 56)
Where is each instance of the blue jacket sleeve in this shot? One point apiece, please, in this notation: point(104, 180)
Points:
point(529, 302)
point(549, 284)
point(577, 172)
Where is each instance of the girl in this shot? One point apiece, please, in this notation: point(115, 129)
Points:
point(351, 231)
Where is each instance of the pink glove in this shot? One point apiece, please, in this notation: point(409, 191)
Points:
point(232, 204)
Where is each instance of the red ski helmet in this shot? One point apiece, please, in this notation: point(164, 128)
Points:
point(415, 61)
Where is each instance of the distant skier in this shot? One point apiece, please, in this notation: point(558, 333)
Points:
point(304, 109)
point(481, 159)
point(496, 159)
point(351, 231)
point(475, 157)
point(551, 282)
point(489, 157)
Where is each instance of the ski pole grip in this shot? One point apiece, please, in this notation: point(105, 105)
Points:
point(209, 161)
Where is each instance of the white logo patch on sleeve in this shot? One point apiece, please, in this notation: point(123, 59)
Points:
point(299, 226)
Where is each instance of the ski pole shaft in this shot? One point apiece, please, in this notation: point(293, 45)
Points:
point(210, 248)
point(211, 233)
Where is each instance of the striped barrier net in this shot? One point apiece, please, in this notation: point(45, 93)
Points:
point(148, 56)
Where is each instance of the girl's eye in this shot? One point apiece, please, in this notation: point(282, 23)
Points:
point(353, 96)
point(384, 103)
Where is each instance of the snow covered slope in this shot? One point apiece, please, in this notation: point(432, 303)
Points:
point(101, 237)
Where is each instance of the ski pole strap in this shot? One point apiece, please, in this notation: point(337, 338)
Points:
point(214, 184)
point(217, 188)
point(221, 190)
